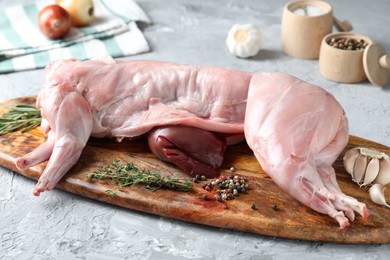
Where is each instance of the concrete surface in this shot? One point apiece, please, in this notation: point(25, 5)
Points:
point(60, 225)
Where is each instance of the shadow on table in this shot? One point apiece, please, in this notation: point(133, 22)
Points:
point(268, 54)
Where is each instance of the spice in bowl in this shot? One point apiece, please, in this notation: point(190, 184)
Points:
point(308, 10)
point(349, 44)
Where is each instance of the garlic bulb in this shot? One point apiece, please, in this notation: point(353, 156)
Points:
point(367, 166)
point(244, 40)
point(377, 194)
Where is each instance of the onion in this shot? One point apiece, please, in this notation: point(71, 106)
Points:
point(54, 21)
point(80, 11)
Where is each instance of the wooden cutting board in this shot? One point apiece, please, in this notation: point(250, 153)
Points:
point(290, 220)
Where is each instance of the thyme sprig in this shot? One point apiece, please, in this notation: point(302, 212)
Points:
point(128, 174)
point(20, 117)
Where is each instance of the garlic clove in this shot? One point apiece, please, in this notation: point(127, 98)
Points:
point(372, 171)
point(359, 169)
point(384, 171)
point(350, 158)
point(369, 152)
point(377, 194)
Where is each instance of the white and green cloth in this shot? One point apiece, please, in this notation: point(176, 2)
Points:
point(113, 32)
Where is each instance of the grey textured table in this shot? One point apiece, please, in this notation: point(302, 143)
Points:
point(60, 225)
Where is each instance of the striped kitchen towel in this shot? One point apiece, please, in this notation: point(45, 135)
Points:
point(113, 32)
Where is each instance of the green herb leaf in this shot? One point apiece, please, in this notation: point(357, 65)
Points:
point(111, 193)
point(129, 174)
point(20, 117)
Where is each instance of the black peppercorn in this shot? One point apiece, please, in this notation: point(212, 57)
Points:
point(227, 187)
point(347, 44)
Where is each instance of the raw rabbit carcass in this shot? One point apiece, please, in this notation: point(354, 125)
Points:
point(296, 130)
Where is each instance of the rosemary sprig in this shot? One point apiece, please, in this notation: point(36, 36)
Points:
point(129, 174)
point(20, 117)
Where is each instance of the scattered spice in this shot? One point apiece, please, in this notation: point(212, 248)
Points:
point(199, 178)
point(348, 44)
point(20, 117)
point(275, 207)
point(227, 188)
point(129, 174)
point(253, 207)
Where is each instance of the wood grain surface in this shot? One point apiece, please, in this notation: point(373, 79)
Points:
point(290, 220)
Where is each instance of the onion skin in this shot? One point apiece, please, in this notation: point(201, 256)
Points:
point(54, 21)
point(80, 11)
